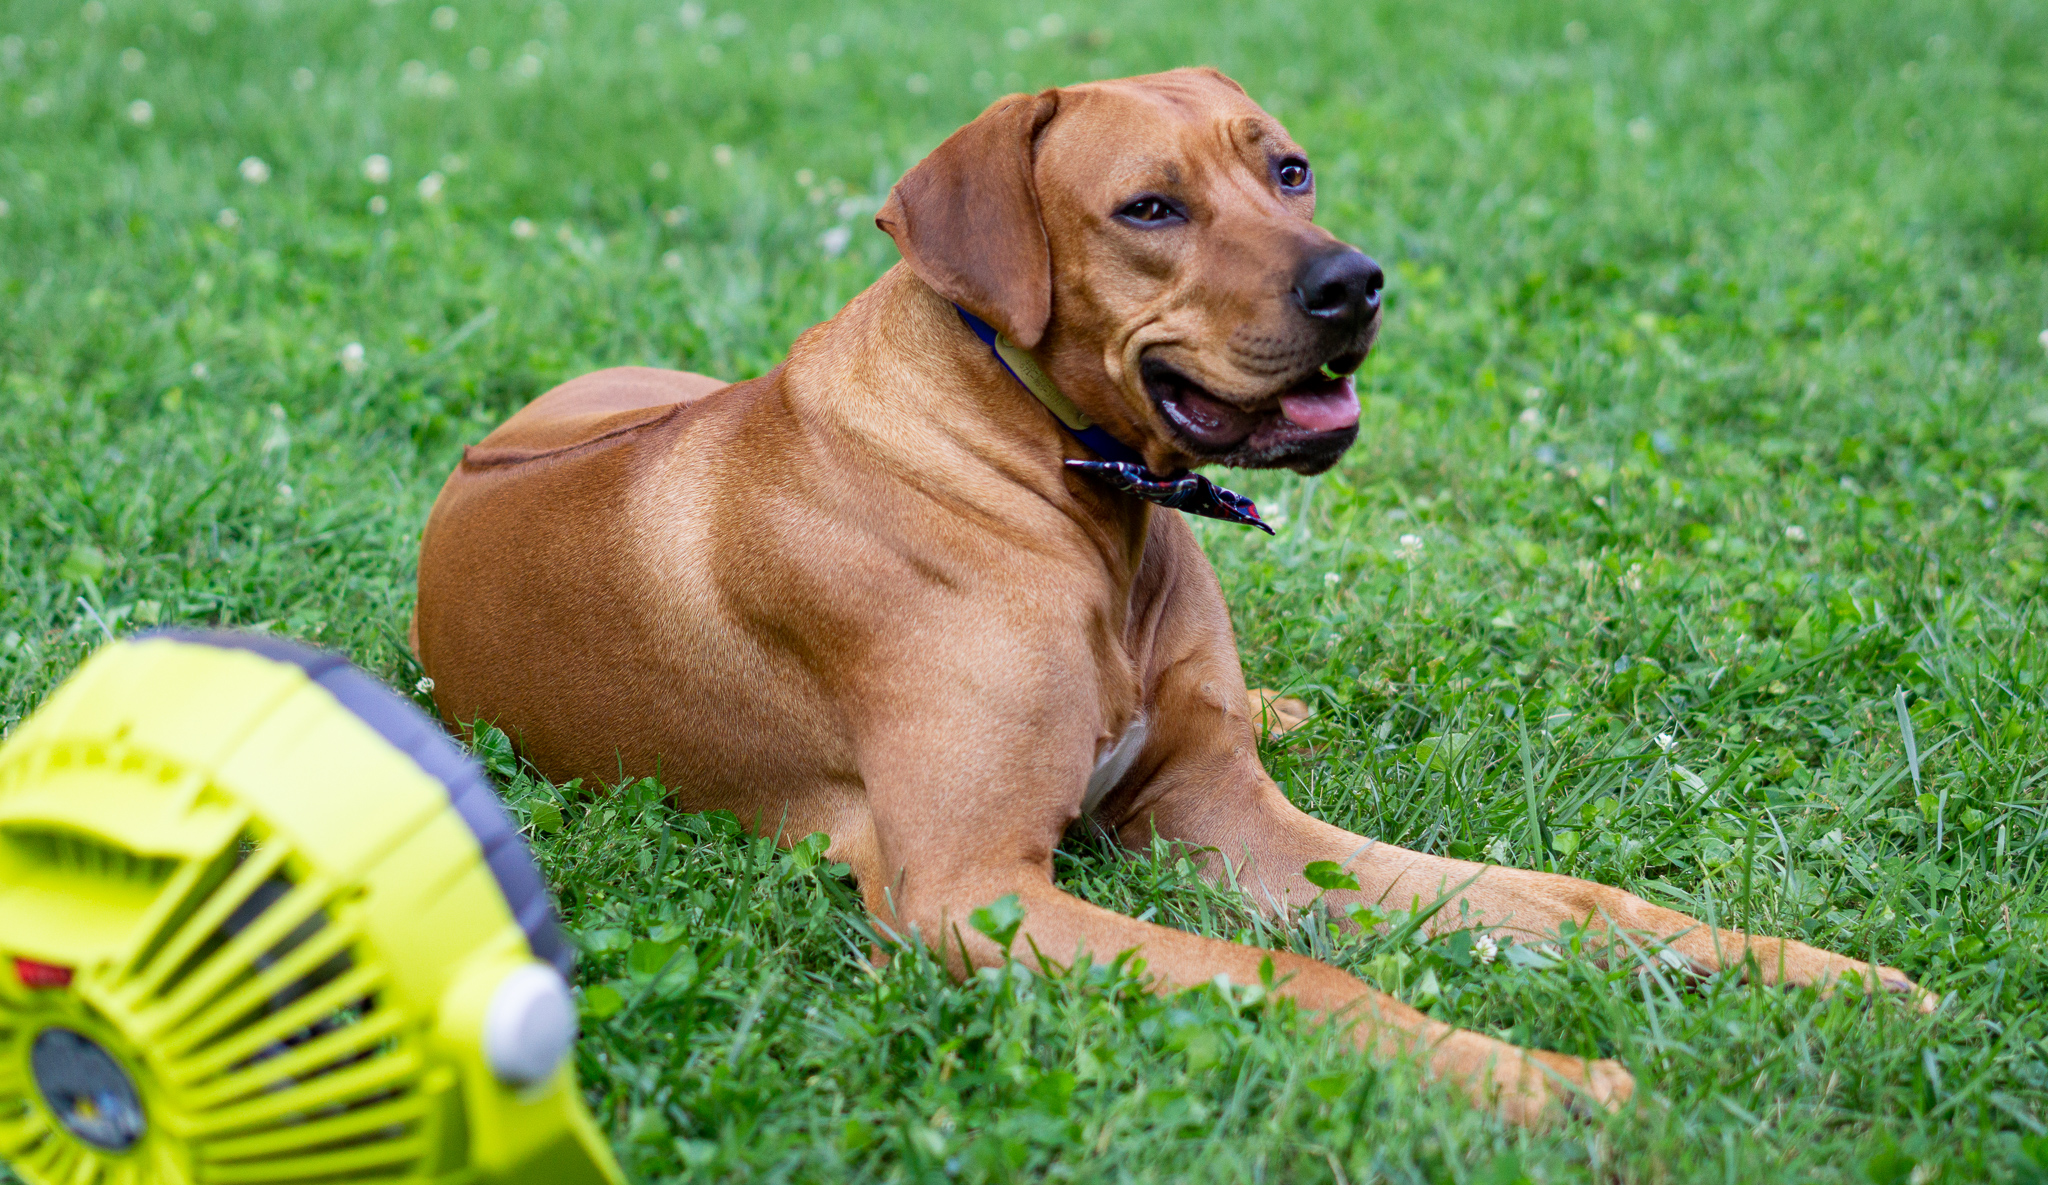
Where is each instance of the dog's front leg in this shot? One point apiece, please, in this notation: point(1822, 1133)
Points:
point(1267, 842)
point(1527, 1086)
point(971, 781)
point(1200, 782)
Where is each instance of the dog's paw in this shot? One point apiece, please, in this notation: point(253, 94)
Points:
point(1890, 980)
point(1534, 1087)
point(1276, 714)
point(1925, 1001)
point(1796, 964)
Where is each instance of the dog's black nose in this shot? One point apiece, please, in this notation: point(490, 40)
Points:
point(1341, 286)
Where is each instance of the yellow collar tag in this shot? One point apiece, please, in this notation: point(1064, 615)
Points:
point(1039, 383)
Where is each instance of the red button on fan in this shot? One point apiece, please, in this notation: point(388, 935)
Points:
point(41, 975)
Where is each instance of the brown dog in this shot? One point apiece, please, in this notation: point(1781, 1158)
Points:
point(864, 595)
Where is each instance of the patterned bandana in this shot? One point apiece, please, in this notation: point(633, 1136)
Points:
point(1121, 467)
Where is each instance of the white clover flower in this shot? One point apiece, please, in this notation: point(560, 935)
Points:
point(430, 187)
point(721, 155)
point(1409, 548)
point(1796, 534)
point(1497, 850)
point(675, 216)
point(528, 66)
point(1485, 949)
point(918, 84)
point(352, 359)
point(1052, 24)
point(1641, 130)
point(140, 113)
point(304, 80)
point(1017, 38)
point(1665, 741)
point(2044, 339)
point(132, 60)
point(253, 170)
point(834, 241)
point(1333, 579)
point(440, 85)
point(523, 228)
point(199, 371)
point(1531, 417)
point(378, 205)
point(227, 219)
point(425, 686)
point(672, 260)
point(376, 168)
point(691, 14)
point(658, 170)
point(443, 18)
point(93, 13)
point(479, 58)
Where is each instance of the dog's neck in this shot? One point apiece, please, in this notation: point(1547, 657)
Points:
point(899, 369)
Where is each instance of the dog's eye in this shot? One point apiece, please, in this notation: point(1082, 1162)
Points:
point(1293, 173)
point(1148, 209)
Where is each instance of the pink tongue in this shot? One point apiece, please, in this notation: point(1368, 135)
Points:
point(1322, 413)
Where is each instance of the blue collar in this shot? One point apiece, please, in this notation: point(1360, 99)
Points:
point(1121, 467)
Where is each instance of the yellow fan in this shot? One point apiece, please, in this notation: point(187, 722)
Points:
point(261, 921)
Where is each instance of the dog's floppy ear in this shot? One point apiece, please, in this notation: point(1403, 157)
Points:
point(966, 219)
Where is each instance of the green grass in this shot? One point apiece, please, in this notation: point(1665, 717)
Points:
point(1712, 404)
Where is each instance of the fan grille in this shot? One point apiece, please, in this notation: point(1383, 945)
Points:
point(269, 1049)
point(84, 856)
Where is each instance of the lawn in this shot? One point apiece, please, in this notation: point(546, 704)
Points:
point(1695, 540)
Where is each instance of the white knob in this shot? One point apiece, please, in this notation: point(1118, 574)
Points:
point(529, 1026)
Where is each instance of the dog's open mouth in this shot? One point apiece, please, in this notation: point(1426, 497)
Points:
point(1320, 404)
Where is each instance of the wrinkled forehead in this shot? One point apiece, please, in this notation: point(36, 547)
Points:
point(1162, 131)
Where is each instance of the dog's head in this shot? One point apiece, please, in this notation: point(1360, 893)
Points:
point(1149, 240)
